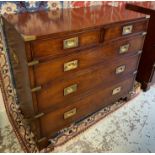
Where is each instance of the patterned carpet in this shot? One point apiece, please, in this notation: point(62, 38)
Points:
point(129, 129)
point(8, 140)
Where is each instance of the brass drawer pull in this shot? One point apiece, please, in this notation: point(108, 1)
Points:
point(70, 65)
point(70, 113)
point(124, 48)
point(116, 90)
point(70, 89)
point(120, 69)
point(70, 43)
point(127, 29)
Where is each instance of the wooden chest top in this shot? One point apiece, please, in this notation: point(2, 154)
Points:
point(45, 23)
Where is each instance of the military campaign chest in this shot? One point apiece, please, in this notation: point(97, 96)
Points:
point(71, 63)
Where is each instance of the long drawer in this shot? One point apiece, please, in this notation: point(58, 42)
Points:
point(47, 71)
point(59, 119)
point(59, 93)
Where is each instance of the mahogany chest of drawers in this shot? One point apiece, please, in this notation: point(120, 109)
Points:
point(69, 67)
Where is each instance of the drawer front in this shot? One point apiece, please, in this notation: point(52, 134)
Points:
point(52, 47)
point(120, 30)
point(63, 91)
point(76, 62)
point(78, 110)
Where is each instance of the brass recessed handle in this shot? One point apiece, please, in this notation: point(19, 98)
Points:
point(127, 29)
point(116, 90)
point(70, 43)
point(71, 89)
point(70, 113)
point(120, 69)
point(70, 65)
point(124, 48)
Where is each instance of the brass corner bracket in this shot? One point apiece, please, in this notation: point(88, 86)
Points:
point(36, 89)
point(32, 63)
point(29, 37)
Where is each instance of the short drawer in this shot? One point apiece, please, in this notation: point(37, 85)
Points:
point(78, 110)
point(52, 47)
point(124, 29)
point(78, 61)
point(59, 93)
